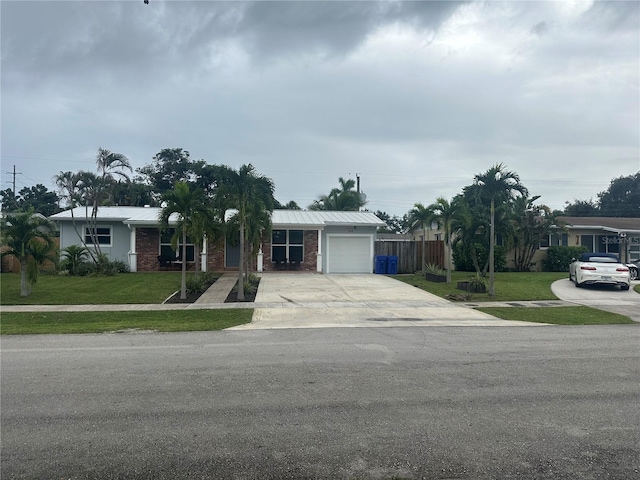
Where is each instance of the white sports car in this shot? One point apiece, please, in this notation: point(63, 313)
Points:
point(599, 269)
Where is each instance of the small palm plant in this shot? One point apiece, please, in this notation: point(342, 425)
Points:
point(72, 257)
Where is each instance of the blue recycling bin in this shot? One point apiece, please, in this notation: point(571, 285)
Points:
point(381, 264)
point(392, 265)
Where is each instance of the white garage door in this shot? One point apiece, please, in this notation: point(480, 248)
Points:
point(349, 254)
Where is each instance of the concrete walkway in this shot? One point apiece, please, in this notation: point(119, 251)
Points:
point(220, 290)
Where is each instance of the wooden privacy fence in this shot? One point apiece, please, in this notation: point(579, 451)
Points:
point(409, 253)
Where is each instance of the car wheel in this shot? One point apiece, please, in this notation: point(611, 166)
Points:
point(633, 274)
point(624, 287)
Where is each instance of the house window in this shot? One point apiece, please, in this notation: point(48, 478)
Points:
point(587, 241)
point(555, 240)
point(167, 251)
point(608, 243)
point(287, 245)
point(97, 235)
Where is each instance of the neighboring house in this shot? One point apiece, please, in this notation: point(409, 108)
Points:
point(603, 234)
point(597, 234)
point(329, 242)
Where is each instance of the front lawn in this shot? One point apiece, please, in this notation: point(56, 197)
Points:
point(558, 315)
point(101, 322)
point(141, 287)
point(509, 286)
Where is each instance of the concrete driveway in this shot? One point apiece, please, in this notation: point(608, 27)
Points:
point(310, 300)
point(603, 297)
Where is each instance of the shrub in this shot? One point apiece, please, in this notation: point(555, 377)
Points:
point(478, 282)
point(72, 257)
point(434, 269)
point(464, 263)
point(559, 258)
point(196, 284)
point(200, 282)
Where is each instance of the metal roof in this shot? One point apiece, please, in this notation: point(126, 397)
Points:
point(279, 218)
point(127, 215)
point(307, 218)
point(603, 223)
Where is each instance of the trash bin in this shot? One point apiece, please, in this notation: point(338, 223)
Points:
point(381, 264)
point(392, 265)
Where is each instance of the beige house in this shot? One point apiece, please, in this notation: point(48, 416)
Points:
point(605, 234)
point(597, 234)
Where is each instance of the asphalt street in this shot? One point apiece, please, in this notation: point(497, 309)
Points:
point(365, 403)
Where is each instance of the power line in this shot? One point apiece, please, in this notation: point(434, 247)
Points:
point(14, 173)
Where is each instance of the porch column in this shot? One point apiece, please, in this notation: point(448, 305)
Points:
point(133, 256)
point(203, 255)
point(260, 266)
point(319, 254)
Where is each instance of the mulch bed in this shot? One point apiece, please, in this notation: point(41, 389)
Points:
point(231, 298)
point(248, 296)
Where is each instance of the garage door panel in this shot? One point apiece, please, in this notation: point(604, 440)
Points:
point(350, 254)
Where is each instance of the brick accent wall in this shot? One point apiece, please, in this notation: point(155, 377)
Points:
point(215, 257)
point(147, 248)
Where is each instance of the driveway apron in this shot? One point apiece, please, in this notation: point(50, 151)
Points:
point(610, 299)
point(310, 300)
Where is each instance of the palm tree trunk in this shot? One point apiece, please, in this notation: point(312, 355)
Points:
point(424, 243)
point(24, 285)
point(447, 253)
point(241, 264)
point(491, 249)
point(183, 285)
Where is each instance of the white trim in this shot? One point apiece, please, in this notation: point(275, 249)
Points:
point(96, 227)
point(319, 254)
point(133, 255)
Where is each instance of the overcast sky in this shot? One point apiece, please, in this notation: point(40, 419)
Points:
point(415, 97)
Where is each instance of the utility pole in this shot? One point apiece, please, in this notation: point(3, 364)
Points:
point(13, 183)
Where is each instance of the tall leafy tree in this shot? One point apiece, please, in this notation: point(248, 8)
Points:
point(421, 217)
point(290, 205)
point(28, 238)
point(37, 197)
point(250, 194)
point(498, 185)
point(191, 208)
point(581, 208)
point(394, 224)
point(344, 198)
point(445, 213)
point(622, 198)
point(171, 165)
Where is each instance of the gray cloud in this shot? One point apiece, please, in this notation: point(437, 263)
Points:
point(416, 97)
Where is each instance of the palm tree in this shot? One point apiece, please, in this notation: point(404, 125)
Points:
point(111, 165)
point(192, 211)
point(497, 184)
point(249, 194)
point(344, 198)
point(28, 238)
point(421, 216)
point(445, 213)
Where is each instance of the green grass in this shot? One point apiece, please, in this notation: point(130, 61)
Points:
point(558, 315)
point(100, 322)
point(147, 287)
point(509, 286)
point(637, 288)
